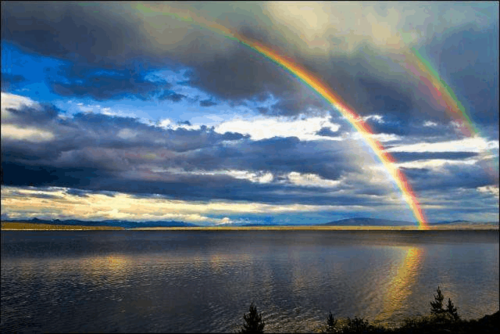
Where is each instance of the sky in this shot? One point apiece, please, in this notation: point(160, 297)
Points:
point(144, 111)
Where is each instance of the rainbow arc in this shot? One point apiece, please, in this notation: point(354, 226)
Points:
point(311, 80)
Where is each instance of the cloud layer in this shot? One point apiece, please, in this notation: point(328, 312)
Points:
point(134, 99)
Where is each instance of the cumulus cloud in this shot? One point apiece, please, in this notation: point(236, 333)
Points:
point(311, 180)
point(268, 127)
point(489, 190)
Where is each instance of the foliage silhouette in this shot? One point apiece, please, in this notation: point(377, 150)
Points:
point(437, 304)
point(437, 310)
point(254, 323)
point(452, 310)
point(331, 321)
point(441, 320)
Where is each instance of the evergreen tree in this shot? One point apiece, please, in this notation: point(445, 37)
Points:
point(437, 304)
point(452, 310)
point(331, 321)
point(254, 323)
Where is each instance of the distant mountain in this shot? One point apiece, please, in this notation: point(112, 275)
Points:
point(386, 222)
point(119, 223)
point(368, 222)
point(256, 224)
point(452, 222)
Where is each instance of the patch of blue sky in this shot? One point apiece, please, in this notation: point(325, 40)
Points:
point(33, 68)
point(37, 70)
point(172, 77)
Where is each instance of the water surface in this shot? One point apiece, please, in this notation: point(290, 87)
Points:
point(203, 281)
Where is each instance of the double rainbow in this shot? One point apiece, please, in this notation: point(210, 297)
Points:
point(320, 88)
point(417, 65)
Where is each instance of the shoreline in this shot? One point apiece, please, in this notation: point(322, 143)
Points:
point(13, 226)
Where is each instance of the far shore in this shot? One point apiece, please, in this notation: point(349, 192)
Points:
point(17, 226)
point(319, 228)
point(13, 226)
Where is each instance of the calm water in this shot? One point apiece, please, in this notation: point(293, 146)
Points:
point(203, 281)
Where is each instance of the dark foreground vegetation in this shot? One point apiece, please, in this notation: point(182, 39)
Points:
point(443, 318)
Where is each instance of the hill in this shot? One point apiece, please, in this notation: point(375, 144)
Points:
point(368, 222)
point(110, 223)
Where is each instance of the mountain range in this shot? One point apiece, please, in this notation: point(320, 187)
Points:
point(132, 224)
point(119, 223)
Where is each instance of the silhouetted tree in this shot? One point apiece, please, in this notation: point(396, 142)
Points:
point(331, 321)
point(452, 310)
point(437, 304)
point(254, 323)
point(357, 325)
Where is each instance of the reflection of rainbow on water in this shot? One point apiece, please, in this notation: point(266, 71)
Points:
point(400, 286)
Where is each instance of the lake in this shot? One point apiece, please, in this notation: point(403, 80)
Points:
point(204, 281)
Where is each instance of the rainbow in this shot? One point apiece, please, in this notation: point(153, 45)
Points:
point(321, 89)
point(417, 65)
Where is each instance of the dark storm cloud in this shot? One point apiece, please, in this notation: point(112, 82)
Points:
point(468, 62)
point(277, 155)
point(69, 31)
point(45, 114)
point(99, 153)
point(10, 81)
point(207, 103)
point(172, 96)
point(18, 174)
point(96, 152)
point(182, 187)
point(85, 135)
point(113, 36)
point(83, 81)
point(327, 132)
point(108, 37)
point(448, 178)
point(368, 90)
point(77, 192)
point(414, 156)
point(241, 75)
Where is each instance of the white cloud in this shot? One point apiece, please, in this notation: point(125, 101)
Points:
point(311, 180)
point(260, 177)
point(266, 127)
point(256, 177)
point(28, 133)
point(429, 124)
point(376, 118)
point(489, 190)
point(11, 101)
point(168, 124)
point(380, 137)
point(434, 163)
point(473, 144)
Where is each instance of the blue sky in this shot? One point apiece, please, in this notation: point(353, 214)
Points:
point(109, 113)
